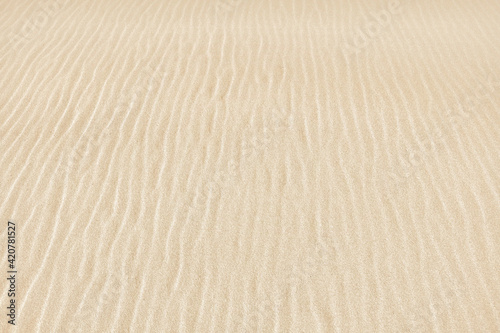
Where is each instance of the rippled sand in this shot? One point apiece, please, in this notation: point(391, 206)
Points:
point(251, 165)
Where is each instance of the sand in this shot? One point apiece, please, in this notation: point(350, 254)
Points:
point(250, 166)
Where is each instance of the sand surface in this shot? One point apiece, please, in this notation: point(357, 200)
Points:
point(251, 165)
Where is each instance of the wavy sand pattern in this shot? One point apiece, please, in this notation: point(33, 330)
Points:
point(251, 166)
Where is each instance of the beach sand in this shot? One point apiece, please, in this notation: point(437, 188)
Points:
point(250, 166)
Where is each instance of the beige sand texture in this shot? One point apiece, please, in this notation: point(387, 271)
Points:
point(251, 165)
